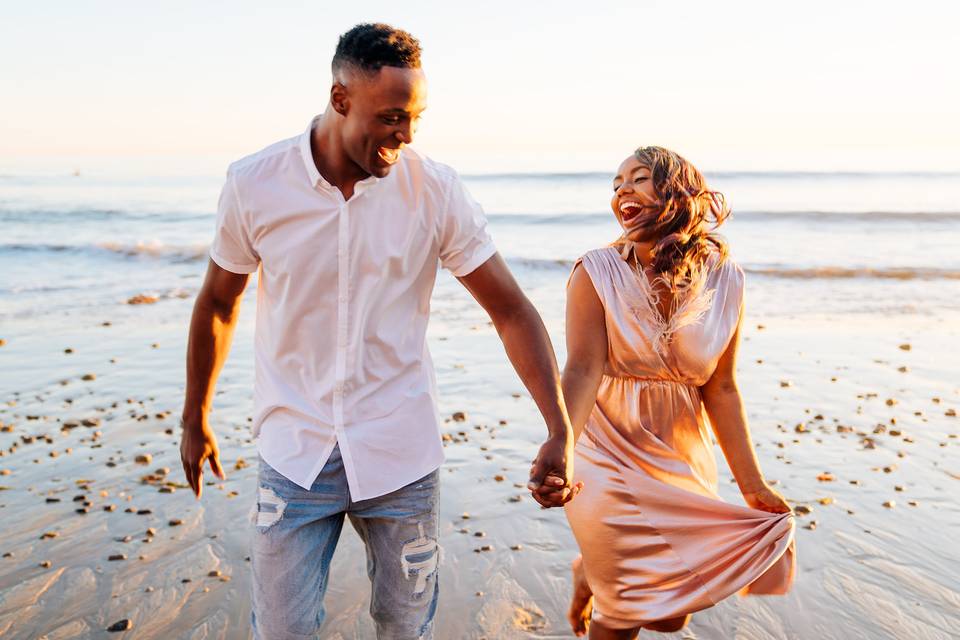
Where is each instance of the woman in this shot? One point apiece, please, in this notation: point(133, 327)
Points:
point(653, 324)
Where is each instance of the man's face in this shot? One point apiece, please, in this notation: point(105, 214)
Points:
point(381, 116)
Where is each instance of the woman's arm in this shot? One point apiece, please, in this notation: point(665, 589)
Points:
point(586, 349)
point(721, 398)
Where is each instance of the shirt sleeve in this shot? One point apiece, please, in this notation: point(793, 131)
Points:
point(464, 241)
point(232, 248)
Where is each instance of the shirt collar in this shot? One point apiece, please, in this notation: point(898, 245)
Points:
point(316, 179)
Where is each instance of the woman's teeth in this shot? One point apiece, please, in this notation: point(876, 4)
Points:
point(630, 209)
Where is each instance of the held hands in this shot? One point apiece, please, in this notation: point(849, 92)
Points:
point(766, 499)
point(198, 444)
point(552, 472)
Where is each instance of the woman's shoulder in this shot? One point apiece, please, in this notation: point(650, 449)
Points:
point(601, 255)
point(598, 264)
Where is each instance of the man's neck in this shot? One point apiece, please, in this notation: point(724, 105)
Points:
point(330, 158)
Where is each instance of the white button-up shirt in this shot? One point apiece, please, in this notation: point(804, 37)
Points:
point(343, 301)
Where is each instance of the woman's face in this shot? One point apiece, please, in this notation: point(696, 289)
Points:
point(635, 201)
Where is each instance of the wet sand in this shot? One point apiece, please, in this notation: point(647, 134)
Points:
point(854, 417)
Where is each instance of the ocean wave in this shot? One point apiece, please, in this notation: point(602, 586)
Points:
point(720, 175)
point(177, 253)
point(793, 273)
point(888, 273)
point(34, 215)
point(593, 217)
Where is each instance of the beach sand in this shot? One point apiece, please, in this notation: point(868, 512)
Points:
point(853, 417)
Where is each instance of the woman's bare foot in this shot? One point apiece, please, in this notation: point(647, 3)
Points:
point(581, 605)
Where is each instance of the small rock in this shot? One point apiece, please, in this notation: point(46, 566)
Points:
point(214, 574)
point(109, 507)
point(516, 547)
point(802, 509)
point(240, 464)
point(892, 401)
point(826, 476)
point(49, 535)
point(459, 416)
point(812, 525)
point(120, 625)
point(479, 534)
point(825, 501)
point(905, 347)
point(117, 556)
point(151, 532)
point(142, 299)
point(499, 478)
point(890, 504)
point(950, 413)
point(46, 564)
point(143, 458)
point(89, 376)
point(786, 383)
point(176, 522)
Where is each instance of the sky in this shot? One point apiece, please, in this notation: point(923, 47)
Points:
point(514, 86)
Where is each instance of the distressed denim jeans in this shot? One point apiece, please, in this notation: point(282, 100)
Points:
point(296, 532)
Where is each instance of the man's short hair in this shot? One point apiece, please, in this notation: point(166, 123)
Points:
point(369, 47)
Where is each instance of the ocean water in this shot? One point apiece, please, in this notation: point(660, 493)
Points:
point(811, 243)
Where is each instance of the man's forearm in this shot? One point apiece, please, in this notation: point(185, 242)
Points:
point(211, 332)
point(528, 347)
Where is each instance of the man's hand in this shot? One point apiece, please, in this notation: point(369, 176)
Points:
point(198, 444)
point(551, 475)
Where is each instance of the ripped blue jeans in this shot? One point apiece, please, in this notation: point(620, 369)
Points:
point(296, 532)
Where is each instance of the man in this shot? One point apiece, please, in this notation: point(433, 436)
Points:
point(346, 228)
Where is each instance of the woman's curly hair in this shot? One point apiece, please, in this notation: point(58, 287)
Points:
point(689, 214)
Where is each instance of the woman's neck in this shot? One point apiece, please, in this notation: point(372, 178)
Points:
point(643, 251)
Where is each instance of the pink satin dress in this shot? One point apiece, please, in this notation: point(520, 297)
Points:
point(657, 541)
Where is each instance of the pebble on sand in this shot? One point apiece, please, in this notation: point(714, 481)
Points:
point(826, 476)
point(89, 377)
point(143, 458)
point(176, 522)
point(120, 625)
point(890, 504)
point(142, 299)
point(117, 556)
point(905, 347)
point(459, 416)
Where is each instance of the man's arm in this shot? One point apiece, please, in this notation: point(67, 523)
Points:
point(211, 331)
point(528, 347)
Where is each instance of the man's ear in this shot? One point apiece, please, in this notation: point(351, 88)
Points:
point(339, 98)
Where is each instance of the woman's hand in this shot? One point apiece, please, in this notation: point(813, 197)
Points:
point(766, 499)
